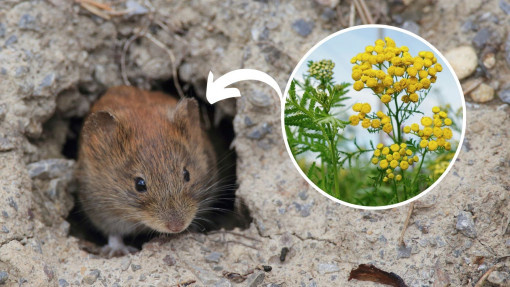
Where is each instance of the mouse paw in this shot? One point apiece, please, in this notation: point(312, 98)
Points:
point(116, 247)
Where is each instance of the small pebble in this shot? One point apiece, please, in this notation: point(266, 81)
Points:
point(489, 60)
point(3, 277)
point(124, 264)
point(483, 93)
point(47, 81)
point(27, 22)
point(465, 224)
point(302, 27)
point(11, 40)
point(482, 38)
point(91, 277)
point(463, 61)
point(325, 268)
point(5, 229)
point(403, 251)
point(142, 278)
point(135, 267)
point(135, 8)
point(2, 30)
point(213, 257)
point(255, 279)
point(499, 278)
point(62, 283)
point(6, 144)
point(260, 99)
point(248, 122)
point(505, 6)
point(505, 96)
point(468, 26)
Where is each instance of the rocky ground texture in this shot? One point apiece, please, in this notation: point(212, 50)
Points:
point(58, 56)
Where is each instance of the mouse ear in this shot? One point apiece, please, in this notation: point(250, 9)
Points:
point(101, 126)
point(186, 115)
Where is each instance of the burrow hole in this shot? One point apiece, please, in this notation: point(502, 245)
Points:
point(231, 215)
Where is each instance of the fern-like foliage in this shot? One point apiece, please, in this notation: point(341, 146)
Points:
point(312, 126)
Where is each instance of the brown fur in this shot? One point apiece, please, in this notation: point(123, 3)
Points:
point(133, 133)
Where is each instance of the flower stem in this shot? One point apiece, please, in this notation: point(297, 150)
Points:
point(419, 168)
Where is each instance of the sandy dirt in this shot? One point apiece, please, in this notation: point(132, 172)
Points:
point(56, 58)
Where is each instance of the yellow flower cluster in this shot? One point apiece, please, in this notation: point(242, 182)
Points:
point(391, 157)
point(381, 122)
point(402, 72)
point(435, 131)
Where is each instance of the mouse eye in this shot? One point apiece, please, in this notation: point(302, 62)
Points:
point(185, 173)
point(140, 184)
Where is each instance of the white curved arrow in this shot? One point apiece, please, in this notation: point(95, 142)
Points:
point(217, 90)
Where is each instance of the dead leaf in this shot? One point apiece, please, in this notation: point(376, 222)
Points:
point(367, 272)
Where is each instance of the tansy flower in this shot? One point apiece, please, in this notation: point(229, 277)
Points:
point(358, 85)
point(432, 145)
point(387, 128)
point(385, 98)
point(354, 119)
point(426, 121)
point(366, 108)
point(365, 123)
point(376, 123)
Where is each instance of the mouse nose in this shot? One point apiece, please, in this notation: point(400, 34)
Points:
point(175, 226)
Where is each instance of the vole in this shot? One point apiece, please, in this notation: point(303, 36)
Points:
point(144, 164)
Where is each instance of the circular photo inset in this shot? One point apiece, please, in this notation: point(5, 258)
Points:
point(374, 116)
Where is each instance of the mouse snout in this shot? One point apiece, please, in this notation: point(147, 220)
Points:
point(176, 225)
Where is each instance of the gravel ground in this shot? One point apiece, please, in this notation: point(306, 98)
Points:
point(56, 58)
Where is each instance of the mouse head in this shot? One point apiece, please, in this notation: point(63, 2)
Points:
point(153, 166)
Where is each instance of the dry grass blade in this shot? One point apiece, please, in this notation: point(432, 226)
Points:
point(406, 224)
point(95, 10)
point(364, 13)
point(96, 4)
point(482, 279)
point(172, 60)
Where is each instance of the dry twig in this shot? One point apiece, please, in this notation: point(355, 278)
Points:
point(484, 276)
point(172, 60)
point(406, 224)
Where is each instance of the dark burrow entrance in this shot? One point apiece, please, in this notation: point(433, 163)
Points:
point(228, 214)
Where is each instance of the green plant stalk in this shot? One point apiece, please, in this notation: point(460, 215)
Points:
point(335, 170)
point(395, 190)
point(419, 168)
point(405, 191)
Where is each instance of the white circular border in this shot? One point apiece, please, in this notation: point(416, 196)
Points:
point(459, 147)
